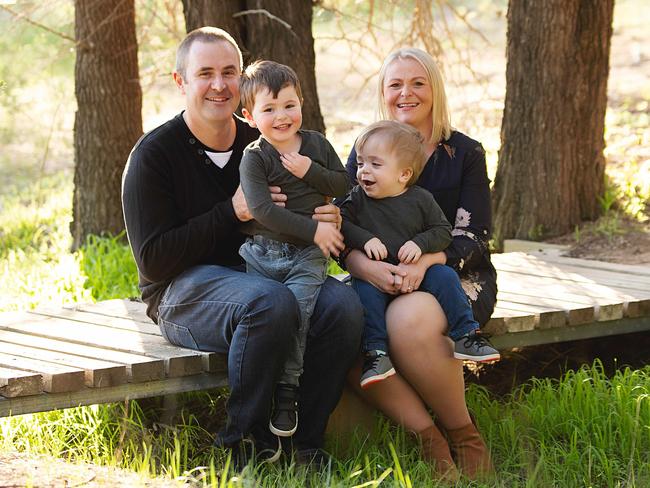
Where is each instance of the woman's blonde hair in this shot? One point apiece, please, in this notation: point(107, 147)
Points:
point(439, 110)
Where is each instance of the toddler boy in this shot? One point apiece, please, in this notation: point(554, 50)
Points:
point(390, 218)
point(285, 243)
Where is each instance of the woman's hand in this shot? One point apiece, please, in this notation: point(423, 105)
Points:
point(383, 276)
point(414, 272)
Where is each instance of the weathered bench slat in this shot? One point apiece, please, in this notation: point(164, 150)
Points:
point(128, 309)
point(15, 383)
point(178, 361)
point(56, 378)
point(139, 367)
point(576, 313)
point(536, 267)
point(102, 320)
point(554, 257)
point(98, 373)
point(90, 396)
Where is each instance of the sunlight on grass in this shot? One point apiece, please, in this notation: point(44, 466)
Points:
point(583, 430)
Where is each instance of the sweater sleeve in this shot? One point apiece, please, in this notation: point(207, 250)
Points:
point(437, 235)
point(472, 227)
point(254, 183)
point(355, 237)
point(326, 173)
point(164, 242)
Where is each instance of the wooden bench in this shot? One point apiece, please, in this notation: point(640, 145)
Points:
point(110, 351)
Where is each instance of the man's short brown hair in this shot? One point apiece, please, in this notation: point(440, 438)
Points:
point(266, 75)
point(203, 34)
point(402, 140)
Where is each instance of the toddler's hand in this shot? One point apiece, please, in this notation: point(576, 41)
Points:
point(296, 164)
point(375, 249)
point(409, 253)
point(329, 239)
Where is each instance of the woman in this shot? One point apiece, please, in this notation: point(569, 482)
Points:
point(411, 91)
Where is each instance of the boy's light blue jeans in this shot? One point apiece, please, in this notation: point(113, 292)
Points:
point(301, 269)
point(439, 280)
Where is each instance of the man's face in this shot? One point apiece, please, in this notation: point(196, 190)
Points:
point(211, 82)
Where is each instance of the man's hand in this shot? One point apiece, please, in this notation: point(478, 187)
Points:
point(409, 253)
point(296, 164)
point(328, 213)
point(375, 249)
point(329, 239)
point(241, 207)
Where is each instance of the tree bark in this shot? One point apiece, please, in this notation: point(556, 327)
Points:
point(278, 30)
point(551, 165)
point(108, 121)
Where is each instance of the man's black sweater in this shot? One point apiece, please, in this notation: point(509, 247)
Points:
point(177, 205)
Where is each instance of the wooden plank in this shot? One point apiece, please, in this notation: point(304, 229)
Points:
point(628, 269)
point(14, 383)
point(99, 319)
point(124, 308)
point(595, 329)
point(129, 391)
point(98, 373)
point(532, 265)
point(576, 313)
point(545, 317)
point(139, 368)
point(513, 321)
point(56, 378)
point(178, 361)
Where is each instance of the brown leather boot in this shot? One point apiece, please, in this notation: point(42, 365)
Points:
point(469, 450)
point(435, 450)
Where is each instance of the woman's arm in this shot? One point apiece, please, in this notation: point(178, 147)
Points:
point(383, 276)
point(473, 225)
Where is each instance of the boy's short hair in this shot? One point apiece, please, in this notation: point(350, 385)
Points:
point(405, 143)
point(267, 75)
point(203, 34)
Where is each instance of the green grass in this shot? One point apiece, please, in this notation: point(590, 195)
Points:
point(583, 430)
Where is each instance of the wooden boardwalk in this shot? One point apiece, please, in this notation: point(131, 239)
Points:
point(110, 351)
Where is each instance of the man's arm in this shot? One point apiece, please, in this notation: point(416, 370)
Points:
point(164, 242)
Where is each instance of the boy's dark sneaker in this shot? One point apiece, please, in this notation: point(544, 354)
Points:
point(475, 347)
point(376, 367)
point(284, 420)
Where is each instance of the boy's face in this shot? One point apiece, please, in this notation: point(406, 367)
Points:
point(379, 172)
point(278, 119)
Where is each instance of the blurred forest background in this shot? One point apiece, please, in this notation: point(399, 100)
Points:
point(37, 111)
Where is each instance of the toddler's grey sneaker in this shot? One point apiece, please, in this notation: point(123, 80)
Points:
point(475, 347)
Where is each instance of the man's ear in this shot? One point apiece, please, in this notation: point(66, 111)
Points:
point(178, 79)
point(249, 118)
point(406, 175)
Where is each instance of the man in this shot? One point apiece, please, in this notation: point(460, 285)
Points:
point(182, 207)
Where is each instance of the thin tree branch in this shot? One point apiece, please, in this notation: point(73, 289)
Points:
point(24, 17)
point(265, 12)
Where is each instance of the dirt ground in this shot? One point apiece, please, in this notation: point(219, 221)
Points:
point(18, 470)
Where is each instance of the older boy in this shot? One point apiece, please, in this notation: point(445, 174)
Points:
point(286, 244)
point(389, 217)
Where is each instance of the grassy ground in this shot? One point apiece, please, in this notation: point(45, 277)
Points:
point(585, 429)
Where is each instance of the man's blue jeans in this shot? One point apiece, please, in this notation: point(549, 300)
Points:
point(216, 308)
point(439, 280)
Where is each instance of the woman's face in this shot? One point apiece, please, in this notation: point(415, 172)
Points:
point(408, 94)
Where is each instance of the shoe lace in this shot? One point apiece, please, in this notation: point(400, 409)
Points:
point(479, 339)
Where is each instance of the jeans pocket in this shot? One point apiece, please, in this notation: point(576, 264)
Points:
point(179, 335)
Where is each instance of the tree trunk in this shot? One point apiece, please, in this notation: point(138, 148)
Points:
point(551, 165)
point(108, 121)
point(278, 30)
